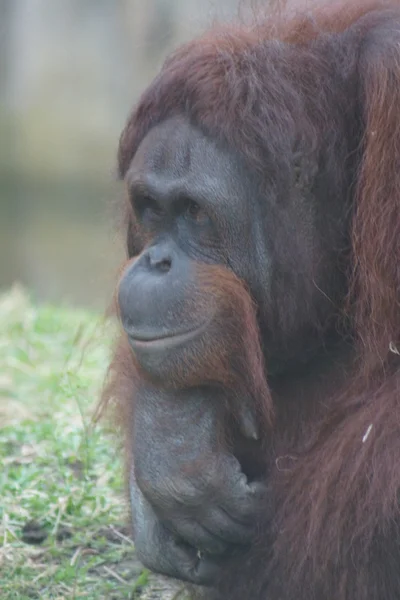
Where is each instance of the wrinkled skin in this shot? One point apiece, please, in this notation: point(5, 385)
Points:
point(195, 202)
point(192, 504)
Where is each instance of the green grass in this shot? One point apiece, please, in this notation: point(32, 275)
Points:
point(62, 513)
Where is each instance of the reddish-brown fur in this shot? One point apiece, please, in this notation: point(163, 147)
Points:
point(336, 477)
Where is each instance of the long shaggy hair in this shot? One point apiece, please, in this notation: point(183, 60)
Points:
point(298, 75)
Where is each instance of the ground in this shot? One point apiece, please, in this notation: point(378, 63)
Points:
point(64, 527)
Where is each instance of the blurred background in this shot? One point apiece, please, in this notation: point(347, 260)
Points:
point(70, 70)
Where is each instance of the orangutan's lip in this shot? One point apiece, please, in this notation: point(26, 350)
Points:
point(143, 342)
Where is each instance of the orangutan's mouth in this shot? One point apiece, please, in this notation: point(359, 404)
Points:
point(153, 341)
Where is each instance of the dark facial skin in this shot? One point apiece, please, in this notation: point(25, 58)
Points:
point(195, 204)
point(187, 196)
